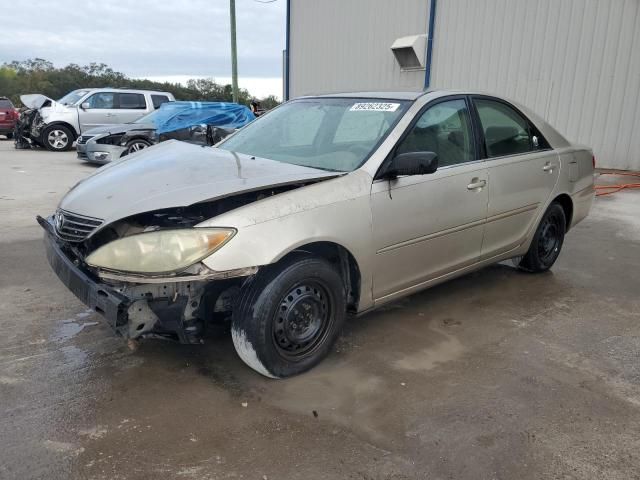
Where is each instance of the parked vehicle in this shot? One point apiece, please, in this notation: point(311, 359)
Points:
point(8, 117)
point(323, 207)
point(203, 123)
point(57, 124)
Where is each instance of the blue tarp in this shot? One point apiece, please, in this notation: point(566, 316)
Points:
point(173, 116)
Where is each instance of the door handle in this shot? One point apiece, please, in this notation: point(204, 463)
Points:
point(109, 115)
point(476, 184)
point(548, 167)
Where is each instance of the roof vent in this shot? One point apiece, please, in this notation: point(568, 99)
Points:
point(410, 52)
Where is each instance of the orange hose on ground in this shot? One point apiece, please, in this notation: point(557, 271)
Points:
point(609, 189)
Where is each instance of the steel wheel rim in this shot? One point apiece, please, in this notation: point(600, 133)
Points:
point(303, 320)
point(137, 146)
point(550, 239)
point(57, 139)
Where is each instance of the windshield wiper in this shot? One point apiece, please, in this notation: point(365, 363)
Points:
point(325, 169)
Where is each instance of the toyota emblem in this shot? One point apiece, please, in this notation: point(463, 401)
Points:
point(59, 220)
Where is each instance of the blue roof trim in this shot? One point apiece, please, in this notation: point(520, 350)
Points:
point(430, 35)
point(286, 52)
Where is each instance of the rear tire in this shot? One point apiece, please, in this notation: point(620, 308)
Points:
point(288, 316)
point(547, 241)
point(57, 138)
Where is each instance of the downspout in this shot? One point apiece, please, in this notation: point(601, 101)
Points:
point(432, 26)
point(286, 52)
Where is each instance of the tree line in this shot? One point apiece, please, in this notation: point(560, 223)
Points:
point(37, 75)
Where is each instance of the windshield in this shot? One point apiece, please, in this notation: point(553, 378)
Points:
point(336, 134)
point(72, 98)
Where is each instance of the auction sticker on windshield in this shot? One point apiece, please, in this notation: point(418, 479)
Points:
point(374, 107)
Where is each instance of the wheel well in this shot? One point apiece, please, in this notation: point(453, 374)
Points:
point(74, 134)
point(139, 137)
point(567, 205)
point(344, 262)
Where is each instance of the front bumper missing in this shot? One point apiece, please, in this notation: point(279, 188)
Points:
point(99, 297)
point(168, 307)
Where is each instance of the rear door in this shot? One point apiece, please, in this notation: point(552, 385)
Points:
point(522, 169)
point(426, 226)
point(102, 110)
point(131, 106)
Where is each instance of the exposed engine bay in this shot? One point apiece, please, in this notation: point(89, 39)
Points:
point(179, 217)
point(28, 128)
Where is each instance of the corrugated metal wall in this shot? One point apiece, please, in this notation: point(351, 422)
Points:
point(575, 62)
point(344, 45)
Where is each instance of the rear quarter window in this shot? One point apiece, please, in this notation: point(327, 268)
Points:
point(159, 100)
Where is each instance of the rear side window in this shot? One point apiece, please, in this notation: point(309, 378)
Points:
point(506, 132)
point(132, 101)
point(5, 103)
point(159, 100)
point(101, 100)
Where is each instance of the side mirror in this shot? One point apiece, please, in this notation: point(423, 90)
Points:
point(85, 105)
point(411, 163)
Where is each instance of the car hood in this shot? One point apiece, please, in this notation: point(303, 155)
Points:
point(36, 101)
point(176, 174)
point(118, 128)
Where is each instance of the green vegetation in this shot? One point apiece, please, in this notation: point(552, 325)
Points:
point(40, 76)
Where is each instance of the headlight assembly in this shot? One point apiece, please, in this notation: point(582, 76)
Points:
point(113, 139)
point(162, 251)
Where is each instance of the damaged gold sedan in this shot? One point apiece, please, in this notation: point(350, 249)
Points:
point(324, 207)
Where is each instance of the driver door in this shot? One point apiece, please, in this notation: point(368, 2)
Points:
point(426, 226)
point(101, 111)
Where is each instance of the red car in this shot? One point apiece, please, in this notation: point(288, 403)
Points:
point(8, 117)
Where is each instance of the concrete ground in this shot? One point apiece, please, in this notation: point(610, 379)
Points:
point(497, 375)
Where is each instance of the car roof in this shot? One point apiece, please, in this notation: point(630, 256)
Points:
point(403, 95)
point(124, 90)
point(381, 95)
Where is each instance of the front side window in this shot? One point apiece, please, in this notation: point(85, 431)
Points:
point(444, 129)
point(506, 132)
point(101, 100)
point(132, 101)
point(335, 134)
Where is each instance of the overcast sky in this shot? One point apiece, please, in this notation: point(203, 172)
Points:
point(158, 39)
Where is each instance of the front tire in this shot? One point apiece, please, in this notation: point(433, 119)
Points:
point(287, 317)
point(547, 241)
point(136, 145)
point(9, 136)
point(57, 138)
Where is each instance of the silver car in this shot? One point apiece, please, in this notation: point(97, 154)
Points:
point(324, 207)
